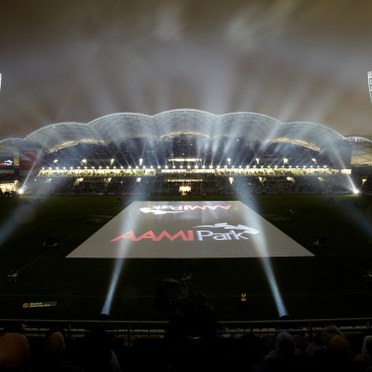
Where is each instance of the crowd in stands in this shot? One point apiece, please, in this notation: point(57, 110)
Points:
point(128, 152)
point(111, 182)
point(237, 167)
point(207, 184)
point(99, 349)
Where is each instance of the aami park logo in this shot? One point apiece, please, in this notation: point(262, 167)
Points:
point(217, 231)
point(188, 230)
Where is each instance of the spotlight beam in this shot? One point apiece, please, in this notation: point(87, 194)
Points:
point(265, 261)
point(118, 266)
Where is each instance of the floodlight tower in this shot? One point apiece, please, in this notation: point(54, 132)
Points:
point(370, 84)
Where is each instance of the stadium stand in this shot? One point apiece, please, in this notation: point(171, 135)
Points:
point(116, 153)
point(187, 152)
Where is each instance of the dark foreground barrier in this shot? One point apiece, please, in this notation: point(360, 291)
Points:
point(132, 330)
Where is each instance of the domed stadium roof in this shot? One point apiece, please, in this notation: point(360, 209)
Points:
point(56, 136)
point(308, 133)
point(120, 126)
point(10, 142)
point(11, 145)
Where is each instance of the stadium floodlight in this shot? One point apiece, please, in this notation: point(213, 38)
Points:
point(370, 84)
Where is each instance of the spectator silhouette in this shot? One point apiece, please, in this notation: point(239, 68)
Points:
point(190, 332)
point(191, 316)
point(334, 353)
point(97, 352)
point(14, 349)
point(363, 360)
point(339, 354)
point(52, 356)
point(285, 356)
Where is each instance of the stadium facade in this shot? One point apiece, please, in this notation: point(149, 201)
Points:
point(185, 139)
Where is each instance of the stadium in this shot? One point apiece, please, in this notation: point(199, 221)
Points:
point(181, 148)
point(174, 142)
point(250, 220)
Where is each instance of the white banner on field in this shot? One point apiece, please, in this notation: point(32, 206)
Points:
point(213, 229)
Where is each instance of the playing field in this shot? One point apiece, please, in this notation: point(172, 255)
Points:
point(247, 257)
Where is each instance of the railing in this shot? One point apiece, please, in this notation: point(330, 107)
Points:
point(132, 330)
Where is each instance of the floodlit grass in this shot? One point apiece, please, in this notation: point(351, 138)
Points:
point(330, 284)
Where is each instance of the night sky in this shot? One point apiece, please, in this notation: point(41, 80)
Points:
point(75, 60)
